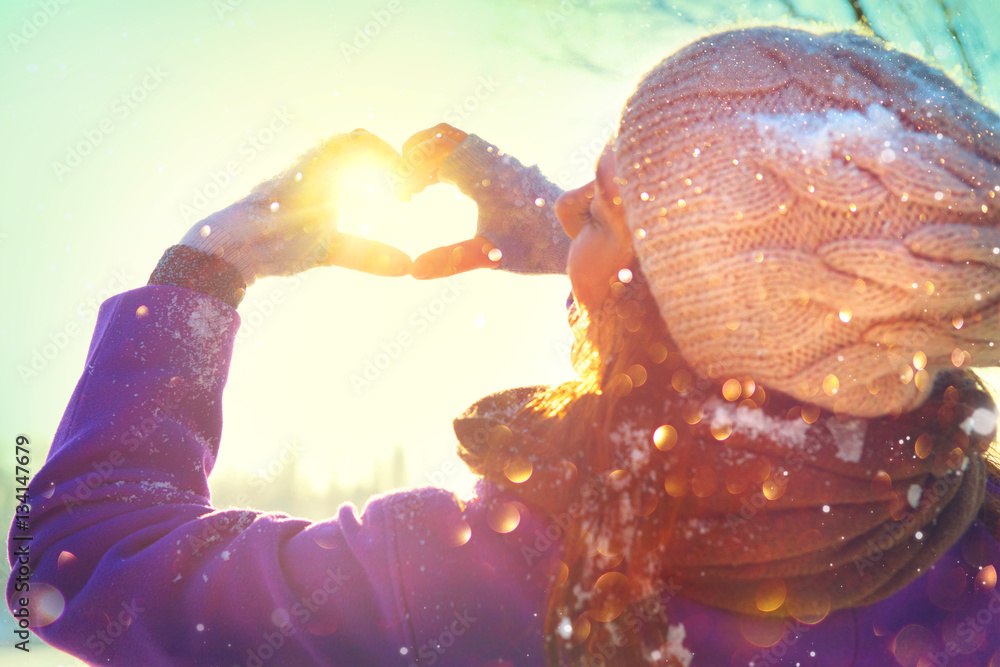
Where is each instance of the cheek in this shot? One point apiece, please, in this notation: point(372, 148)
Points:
point(591, 264)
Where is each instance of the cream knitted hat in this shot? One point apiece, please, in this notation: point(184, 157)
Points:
point(816, 212)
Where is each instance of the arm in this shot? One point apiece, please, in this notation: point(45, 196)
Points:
point(132, 565)
point(125, 534)
point(152, 574)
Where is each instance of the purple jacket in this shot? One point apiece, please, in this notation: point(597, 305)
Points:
point(131, 565)
point(151, 574)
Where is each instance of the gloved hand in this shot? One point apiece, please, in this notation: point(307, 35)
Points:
point(517, 229)
point(288, 224)
point(423, 153)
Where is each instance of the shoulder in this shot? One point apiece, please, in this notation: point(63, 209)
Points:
point(952, 610)
point(949, 615)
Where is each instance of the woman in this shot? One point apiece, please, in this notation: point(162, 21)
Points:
point(745, 472)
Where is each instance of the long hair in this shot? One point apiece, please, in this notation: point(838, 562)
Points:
point(607, 597)
point(624, 358)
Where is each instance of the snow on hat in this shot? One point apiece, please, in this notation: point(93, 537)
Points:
point(817, 212)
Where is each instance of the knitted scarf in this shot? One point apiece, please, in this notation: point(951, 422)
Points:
point(749, 500)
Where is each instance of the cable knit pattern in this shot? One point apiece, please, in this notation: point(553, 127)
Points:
point(183, 266)
point(515, 206)
point(820, 213)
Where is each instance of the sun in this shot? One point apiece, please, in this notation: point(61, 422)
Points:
point(366, 205)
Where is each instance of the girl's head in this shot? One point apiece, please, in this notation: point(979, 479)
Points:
point(811, 214)
point(816, 212)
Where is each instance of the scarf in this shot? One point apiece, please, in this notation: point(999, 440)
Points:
point(749, 500)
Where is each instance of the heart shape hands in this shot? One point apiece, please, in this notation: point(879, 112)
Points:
point(288, 224)
point(423, 154)
point(410, 173)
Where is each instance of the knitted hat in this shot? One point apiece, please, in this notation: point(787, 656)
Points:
point(817, 212)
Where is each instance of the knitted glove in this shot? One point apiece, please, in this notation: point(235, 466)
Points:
point(288, 224)
point(515, 206)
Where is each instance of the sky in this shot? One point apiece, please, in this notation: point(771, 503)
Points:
point(126, 122)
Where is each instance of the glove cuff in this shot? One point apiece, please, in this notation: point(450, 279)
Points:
point(183, 266)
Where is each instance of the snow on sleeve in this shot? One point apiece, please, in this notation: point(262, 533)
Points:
point(206, 319)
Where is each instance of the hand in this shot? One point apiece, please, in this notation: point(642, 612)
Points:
point(288, 224)
point(423, 153)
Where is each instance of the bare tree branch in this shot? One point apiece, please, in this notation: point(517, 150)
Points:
point(967, 66)
point(893, 26)
point(862, 18)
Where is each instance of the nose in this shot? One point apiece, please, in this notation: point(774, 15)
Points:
point(572, 208)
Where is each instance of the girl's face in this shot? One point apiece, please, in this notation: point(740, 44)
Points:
point(593, 217)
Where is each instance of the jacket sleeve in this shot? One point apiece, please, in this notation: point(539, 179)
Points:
point(515, 203)
point(133, 566)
